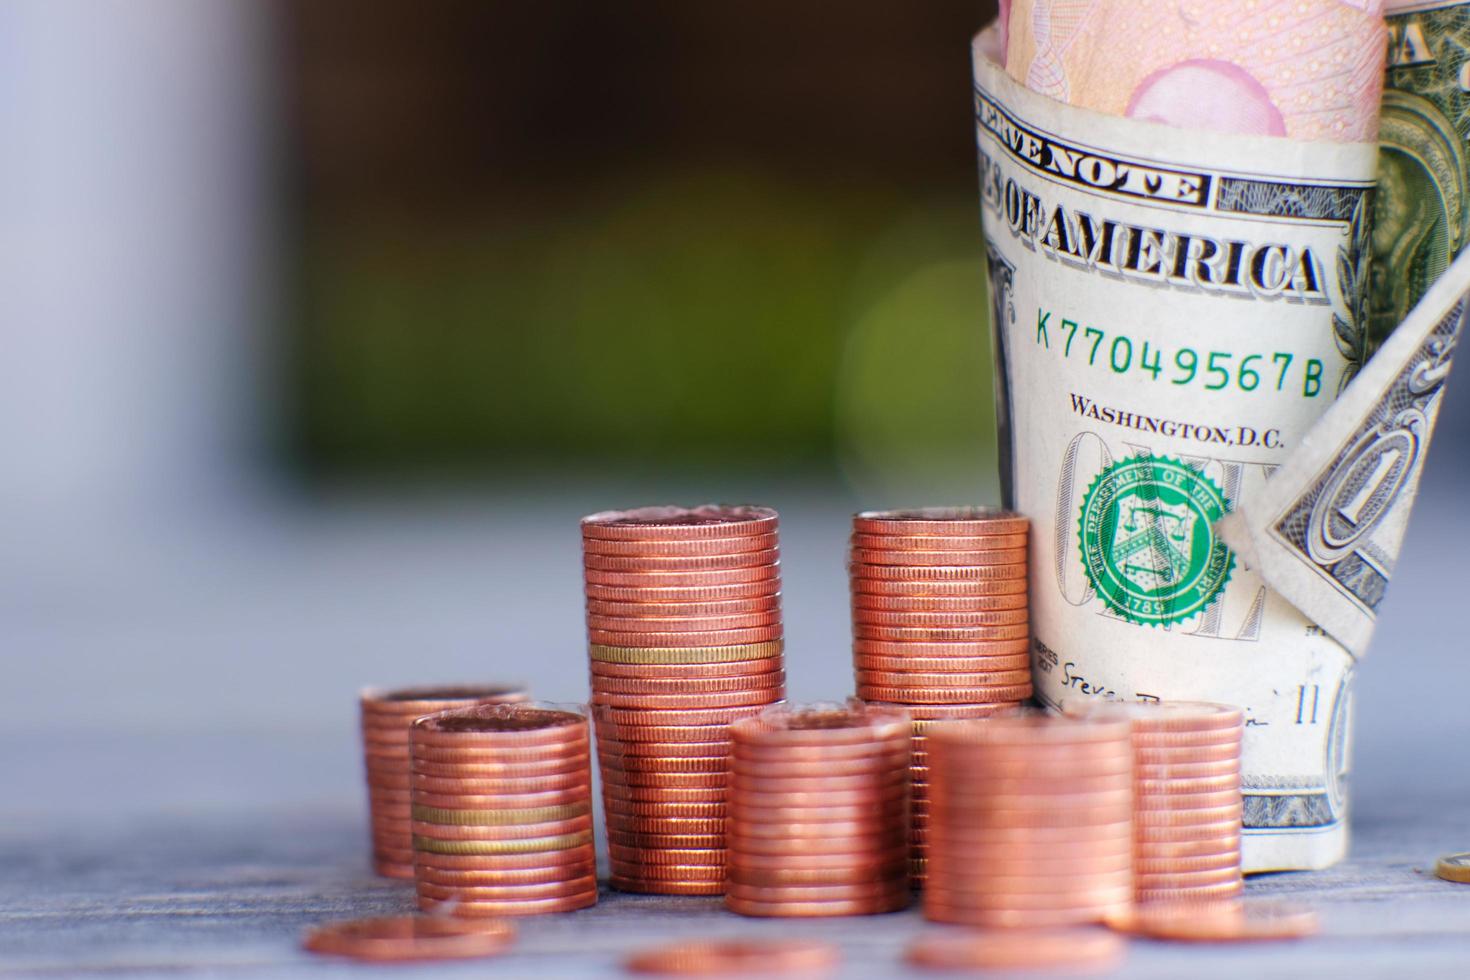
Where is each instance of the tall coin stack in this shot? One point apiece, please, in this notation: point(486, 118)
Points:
point(1186, 797)
point(818, 821)
point(386, 717)
point(1031, 822)
point(684, 623)
point(940, 620)
point(502, 811)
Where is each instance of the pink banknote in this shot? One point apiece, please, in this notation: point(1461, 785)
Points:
point(1306, 69)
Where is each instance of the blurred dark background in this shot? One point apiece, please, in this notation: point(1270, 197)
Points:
point(563, 235)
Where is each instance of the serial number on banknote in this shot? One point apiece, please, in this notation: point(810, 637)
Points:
point(1213, 370)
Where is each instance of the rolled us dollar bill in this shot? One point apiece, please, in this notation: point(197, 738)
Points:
point(1327, 529)
point(1177, 203)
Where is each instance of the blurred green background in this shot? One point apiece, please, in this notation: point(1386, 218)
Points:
point(546, 237)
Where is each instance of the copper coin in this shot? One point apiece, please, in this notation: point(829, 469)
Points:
point(679, 523)
point(837, 769)
point(982, 786)
point(1230, 921)
point(1073, 950)
point(514, 725)
point(937, 542)
point(1020, 919)
point(713, 856)
point(1221, 890)
point(659, 824)
point(741, 957)
point(410, 938)
point(503, 877)
point(626, 884)
point(617, 809)
point(664, 794)
point(708, 638)
point(1193, 756)
point(915, 679)
point(614, 762)
point(1187, 740)
point(668, 780)
point(1016, 601)
point(533, 906)
point(1145, 862)
point(935, 588)
point(977, 648)
point(509, 861)
point(1166, 716)
point(987, 892)
point(888, 811)
point(689, 685)
point(935, 634)
point(760, 589)
point(864, 572)
point(577, 779)
point(859, 858)
point(714, 873)
point(1144, 819)
point(825, 725)
point(659, 604)
point(693, 701)
point(1170, 773)
point(1225, 831)
point(859, 870)
point(1187, 802)
point(666, 842)
point(894, 558)
point(503, 844)
point(865, 891)
point(698, 579)
point(942, 695)
point(600, 671)
point(940, 520)
point(677, 548)
point(669, 624)
point(941, 620)
point(875, 906)
point(1165, 788)
point(496, 893)
point(657, 563)
point(1035, 729)
point(620, 718)
point(1001, 865)
point(887, 780)
point(613, 736)
point(1119, 832)
point(754, 758)
point(843, 832)
point(1181, 879)
point(559, 799)
point(392, 869)
point(527, 758)
point(868, 792)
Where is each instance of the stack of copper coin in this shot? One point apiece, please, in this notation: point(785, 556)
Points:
point(818, 821)
point(386, 717)
point(502, 811)
point(1031, 821)
point(940, 619)
point(1186, 798)
point(684, 619)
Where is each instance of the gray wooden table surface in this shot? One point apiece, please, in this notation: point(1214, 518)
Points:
point(180, 792)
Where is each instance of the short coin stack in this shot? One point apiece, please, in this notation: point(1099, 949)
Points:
point(684, 623)
point(940, 619)
point(818, 821)
point(502, 811)
point(386, 717)
point(1186, 798)
point(1031, 821)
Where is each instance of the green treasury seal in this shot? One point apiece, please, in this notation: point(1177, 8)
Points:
point(1148, 541)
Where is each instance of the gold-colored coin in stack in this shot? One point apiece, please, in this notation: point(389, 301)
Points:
point(1187, 806)
point(1031, 821)
point(502, 811)
point(386, 717)
point(684, 619)
point(941, 621)
point(818, 820)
